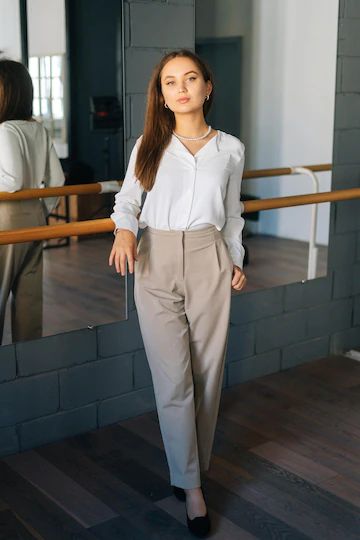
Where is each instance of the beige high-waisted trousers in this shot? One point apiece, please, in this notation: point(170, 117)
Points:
point(21, 271)
point(182, 293)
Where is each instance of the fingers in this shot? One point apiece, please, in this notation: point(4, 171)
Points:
point(119, 257)
point(239, 279)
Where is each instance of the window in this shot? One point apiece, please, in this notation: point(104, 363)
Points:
point(47, 73)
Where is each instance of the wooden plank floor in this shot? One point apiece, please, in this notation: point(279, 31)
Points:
point(285, 465)
point(92, 293)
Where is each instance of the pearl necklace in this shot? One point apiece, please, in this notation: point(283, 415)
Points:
point(193, 138)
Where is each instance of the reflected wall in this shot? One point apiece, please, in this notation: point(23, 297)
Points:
point(275, 71)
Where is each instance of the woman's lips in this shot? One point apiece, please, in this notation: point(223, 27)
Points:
point(183, 100)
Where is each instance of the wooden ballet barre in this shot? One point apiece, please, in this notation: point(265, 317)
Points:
point(282, 171)
point(96, 226)
point(103, 187)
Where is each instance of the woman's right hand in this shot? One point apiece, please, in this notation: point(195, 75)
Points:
point(124, 247)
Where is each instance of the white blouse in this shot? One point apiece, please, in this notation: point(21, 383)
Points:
point(28, 158)
point(190, 192)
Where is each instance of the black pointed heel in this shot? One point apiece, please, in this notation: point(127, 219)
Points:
point(179, 493)
point(199, 526)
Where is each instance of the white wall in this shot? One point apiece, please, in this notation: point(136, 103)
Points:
point(46, 27)
point(292, 106)
point(288, 96)
point(10, 40)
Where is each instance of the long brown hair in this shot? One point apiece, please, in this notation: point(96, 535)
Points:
point(160, 121)
point(16, 91)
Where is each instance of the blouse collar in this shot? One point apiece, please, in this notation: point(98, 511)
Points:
point(176, 147)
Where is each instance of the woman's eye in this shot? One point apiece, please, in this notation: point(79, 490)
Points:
point(171, 82)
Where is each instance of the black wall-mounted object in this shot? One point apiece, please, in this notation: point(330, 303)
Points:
point(105, 113)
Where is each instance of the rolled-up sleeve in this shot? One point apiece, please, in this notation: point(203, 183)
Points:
point(11, 162)
point(234, 222)
point(128, 199)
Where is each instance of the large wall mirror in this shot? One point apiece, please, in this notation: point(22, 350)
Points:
point(275, 71)
point(274, 63)
point(74, 53)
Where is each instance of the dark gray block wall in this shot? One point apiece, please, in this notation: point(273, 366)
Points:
point(79, 381)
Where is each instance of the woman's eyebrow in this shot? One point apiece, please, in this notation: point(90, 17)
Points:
point(171, 76)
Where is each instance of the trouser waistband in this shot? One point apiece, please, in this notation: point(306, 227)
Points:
point(206, 231)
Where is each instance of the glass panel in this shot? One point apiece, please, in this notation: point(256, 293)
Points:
point(36, 88)
point(57, 88)
point(34, 67)
point(36, 107)
point(56, 66)
point(57, 108)
point(45, 66)
point(44, 107)
point(45, 87)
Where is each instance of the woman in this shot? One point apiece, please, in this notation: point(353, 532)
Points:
point(184, 266)
point(27, 160)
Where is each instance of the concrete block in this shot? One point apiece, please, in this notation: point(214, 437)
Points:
point(120, 337)
point(142, 373)
point(350, 74)
point(302, 295)
point(9, 443)
point(329, 318)
point(356, 321)
point(345, 176)
point(346, 145)
point(126, 406)
point(348, 37)
point(241, 342)
point(339, 70)
point(347, 216)
point(352, 9)
point(343, 282)
point(56, 427)
point(299, 353)
point(253, 367)
point(341, 8)
point(342, 250)
point(54, 352)
point(356, 278)
point(7, 363)
point(256, 305)
point(275, 332)
point(347, 111)
point(27, 398)
point(345, 340)
point(105, 378)
point(175, 21)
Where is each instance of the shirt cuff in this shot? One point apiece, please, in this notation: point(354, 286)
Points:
point(125, 221)
point(237, 254)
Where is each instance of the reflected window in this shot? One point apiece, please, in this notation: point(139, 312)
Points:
point(48, 79)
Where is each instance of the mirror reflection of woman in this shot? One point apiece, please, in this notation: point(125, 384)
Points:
point(27, 160)
point(187, 260)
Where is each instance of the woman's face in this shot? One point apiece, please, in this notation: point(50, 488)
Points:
point(180, 79)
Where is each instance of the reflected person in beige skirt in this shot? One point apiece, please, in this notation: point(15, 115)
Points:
point(188, 259)
point(27, 160)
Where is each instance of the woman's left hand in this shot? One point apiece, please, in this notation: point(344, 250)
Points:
point(239, 278)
